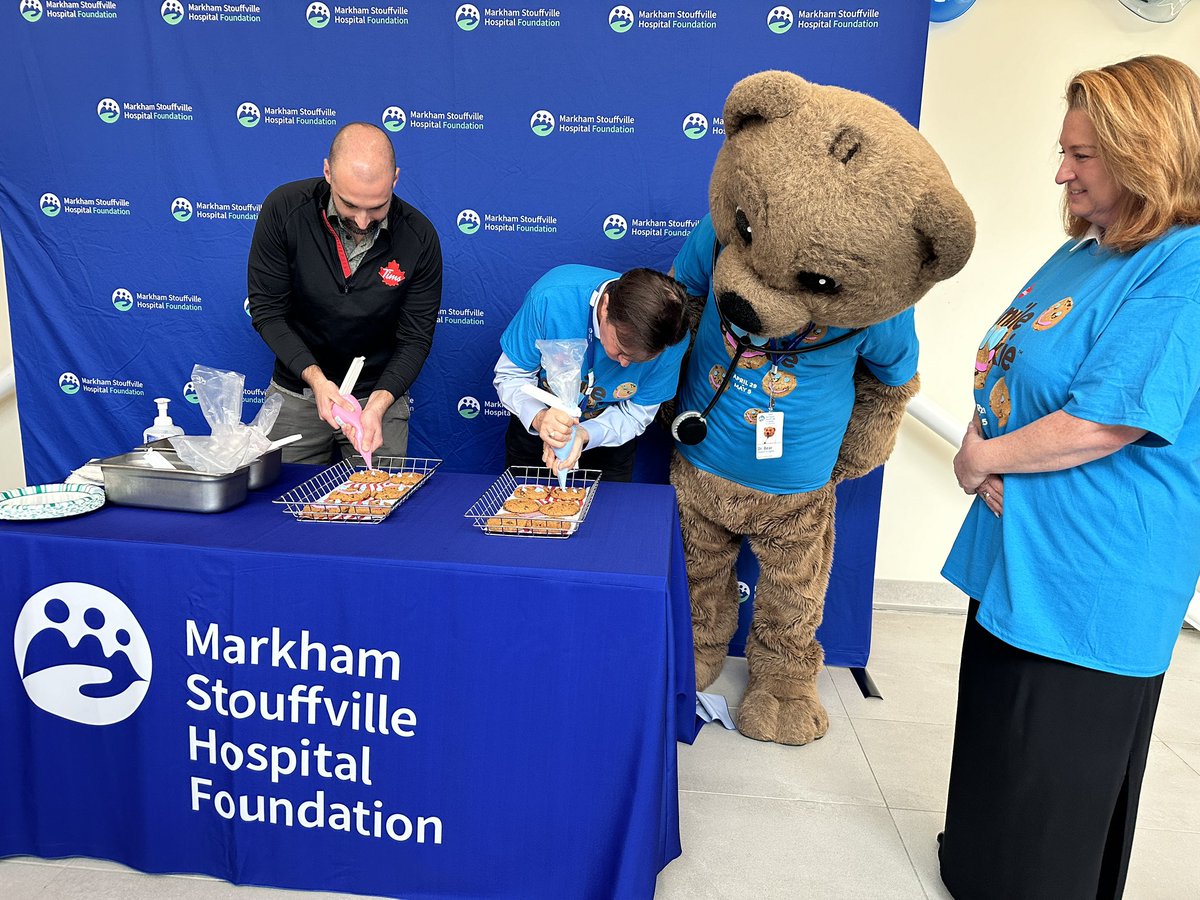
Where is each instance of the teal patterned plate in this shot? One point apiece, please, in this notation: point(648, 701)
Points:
point(50, 501)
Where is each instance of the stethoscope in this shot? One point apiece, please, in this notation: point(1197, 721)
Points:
point(691, 427)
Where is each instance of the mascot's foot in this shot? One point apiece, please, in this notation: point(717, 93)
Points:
point(793, 720)
point(709, 663)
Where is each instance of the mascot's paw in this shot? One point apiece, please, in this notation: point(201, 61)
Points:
point(709, 662)
point(793, 720)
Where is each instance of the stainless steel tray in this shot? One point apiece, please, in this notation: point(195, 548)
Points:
point(264, 471)
point(182, 489)
point(308, 501)
point(490, 516)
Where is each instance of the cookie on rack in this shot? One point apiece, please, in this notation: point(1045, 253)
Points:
point(390, 492)
point(521, 505)
point(344, 495)
point(568, 493)
point(532, 492)
point(317, 512)
point(406, 478)
point(512, 525)
point(369, 476)
point(560, 509)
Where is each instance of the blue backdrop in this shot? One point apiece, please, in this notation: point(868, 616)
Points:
point(143, 136)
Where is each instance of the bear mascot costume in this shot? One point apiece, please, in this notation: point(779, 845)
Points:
point(829, 218)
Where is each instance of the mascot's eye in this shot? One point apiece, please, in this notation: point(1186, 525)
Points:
point(743, 225)
point(818, 284)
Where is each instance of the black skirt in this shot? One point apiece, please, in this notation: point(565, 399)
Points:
point(1046, 774)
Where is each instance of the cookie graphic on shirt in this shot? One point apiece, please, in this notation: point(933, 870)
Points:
point(751, 415)
point(715, 376)
point(983, 364)
point(779, 384)
point(999, 401)
point(750, 359)
point(624, 390)
point(1051, 316)
point(815, 335)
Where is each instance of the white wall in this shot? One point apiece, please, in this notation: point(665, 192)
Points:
point(993, 108)
point(12, 468)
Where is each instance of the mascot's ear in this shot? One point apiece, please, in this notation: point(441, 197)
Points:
point(945, 231)
point(765, 95)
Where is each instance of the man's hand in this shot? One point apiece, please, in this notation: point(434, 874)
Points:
point(372, 421)
point(554, 464)
point(326, 395)
point(554, 426)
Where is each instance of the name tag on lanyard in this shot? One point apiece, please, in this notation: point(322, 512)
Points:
point(768, 435)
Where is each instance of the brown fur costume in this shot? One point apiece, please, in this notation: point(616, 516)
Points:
point(840, 184)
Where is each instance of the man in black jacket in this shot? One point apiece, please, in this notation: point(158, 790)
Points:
point(340, 267)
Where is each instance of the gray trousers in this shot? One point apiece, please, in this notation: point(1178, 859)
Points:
point(298, 415)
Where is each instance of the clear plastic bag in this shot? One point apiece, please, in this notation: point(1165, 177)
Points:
point(232, 444)
point(563, 364)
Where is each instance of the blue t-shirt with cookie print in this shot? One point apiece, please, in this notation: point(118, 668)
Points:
point(559, 307)
point(813, 389)
point(1096, 564)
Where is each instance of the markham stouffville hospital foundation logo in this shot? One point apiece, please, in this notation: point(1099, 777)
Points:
point(31, 10)
point(189, 393)
point(68, 383)
point(171, 12)
point(615, 227)
point(81, 654)
point(248, 114)
point(780, 19)
point(317, 15)
point(620, 19)
point(468, 407)
point(122, 299)
point(108, 110)
point(467, 17)
point(394, 119)
point(181, 209)
point(50, 204)
point(468, 221)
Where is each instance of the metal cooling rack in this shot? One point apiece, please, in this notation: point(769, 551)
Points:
point(491, 504)
point(312, 493)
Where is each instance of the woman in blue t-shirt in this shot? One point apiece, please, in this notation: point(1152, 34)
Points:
point(1081, 550)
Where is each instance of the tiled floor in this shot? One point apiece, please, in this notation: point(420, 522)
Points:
point(852, 816)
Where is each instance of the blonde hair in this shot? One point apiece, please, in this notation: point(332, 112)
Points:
point(1146, 113)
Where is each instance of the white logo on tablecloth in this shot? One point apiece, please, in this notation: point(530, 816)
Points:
point(81, 654)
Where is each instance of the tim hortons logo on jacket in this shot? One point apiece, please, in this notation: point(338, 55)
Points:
point(392, 274)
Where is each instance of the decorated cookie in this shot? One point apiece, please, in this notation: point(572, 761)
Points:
point(561, 509)
point(568, 493)
point(369, 476)
point(532, 492)
point(408, 478)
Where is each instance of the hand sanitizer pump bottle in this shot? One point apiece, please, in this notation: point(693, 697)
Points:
point(163, 427)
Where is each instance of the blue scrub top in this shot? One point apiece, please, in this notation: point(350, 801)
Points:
point(814, 390)
point(1096, 564)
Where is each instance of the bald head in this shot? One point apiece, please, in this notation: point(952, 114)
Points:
point(361, 171)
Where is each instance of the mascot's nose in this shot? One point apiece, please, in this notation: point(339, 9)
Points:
point(738, 311)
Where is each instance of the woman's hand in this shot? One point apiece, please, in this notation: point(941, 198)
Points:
point(966, 469)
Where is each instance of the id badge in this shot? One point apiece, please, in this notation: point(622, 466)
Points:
point(768, 435)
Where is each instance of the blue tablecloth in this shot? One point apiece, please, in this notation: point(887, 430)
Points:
point(412, 708)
